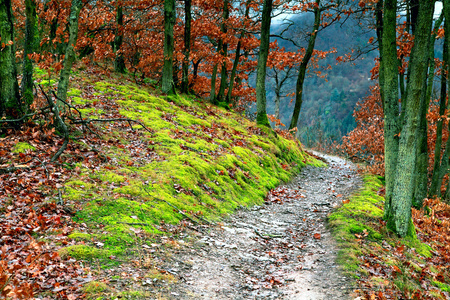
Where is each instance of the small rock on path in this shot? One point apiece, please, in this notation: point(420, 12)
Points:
point(280, 250)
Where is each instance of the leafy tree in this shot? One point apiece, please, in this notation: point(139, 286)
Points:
point(9, 87)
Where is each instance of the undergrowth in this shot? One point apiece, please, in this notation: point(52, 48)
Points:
point(192, 163)
point(385, 266)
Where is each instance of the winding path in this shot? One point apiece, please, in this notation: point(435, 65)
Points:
point(280, 250)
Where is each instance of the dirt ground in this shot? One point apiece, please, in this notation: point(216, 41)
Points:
point(279, 250)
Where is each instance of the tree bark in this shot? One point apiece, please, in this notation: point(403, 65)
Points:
point(224, 53)
point(9, 87)
point(261, 114)
point(187, 46)
point(421, 173)
point(119, 60)
point(69, 58)
point(436, 180)
point(400, 217)
point(29, 48)
point(389, 64)
point(379, 31)
point(304, 65)
point(169, 23)
point(212, 97)
point(445, 156)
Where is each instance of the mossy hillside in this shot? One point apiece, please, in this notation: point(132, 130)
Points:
point(198, 159)
point(359, 229)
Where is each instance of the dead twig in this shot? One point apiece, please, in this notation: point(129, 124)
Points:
point(87, 121)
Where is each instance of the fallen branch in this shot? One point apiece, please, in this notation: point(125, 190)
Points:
point(13, 169)
point(87, 121)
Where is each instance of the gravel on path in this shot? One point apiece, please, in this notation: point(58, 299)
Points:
point(279, 250)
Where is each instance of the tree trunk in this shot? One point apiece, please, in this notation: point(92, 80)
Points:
point(212, 97)
point(9, 87)
point(277, 101)
point(169, 22)
point(421, 173)
point(379, 31)
point(400, 217)
point(435, 187)
point(261, 114)
point(390, 102)
point(304, 65)
point(29, 47)
point(444, 161)
point(119, 61)
point(187, 46)
point(224, 53)
point(69, 58)
point(234, 69)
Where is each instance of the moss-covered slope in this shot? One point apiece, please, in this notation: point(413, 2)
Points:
point(191, 161)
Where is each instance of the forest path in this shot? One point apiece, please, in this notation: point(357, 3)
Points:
point(280, 250)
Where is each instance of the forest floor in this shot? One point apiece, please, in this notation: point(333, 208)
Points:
point(279, 250)
point(191, 208)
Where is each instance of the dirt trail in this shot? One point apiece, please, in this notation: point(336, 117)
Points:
point(280, 250)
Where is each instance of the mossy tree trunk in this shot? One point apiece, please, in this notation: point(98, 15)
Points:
point(421, 173)
point(169, 22)
point(400, 217)
point(389, 65)
point(261, 114)
point(119, 60)
point(436, 180)
point(29, 48)
point(303, 66)
point(69, 58)
point(187, 46)
point(9, 87)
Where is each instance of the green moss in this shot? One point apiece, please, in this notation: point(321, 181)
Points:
point(74, 92)
point(82, 252)
point(204, 163)
point(359, 216)
point(22, 147)
point(111, 177)
point(48, 82)
point(360, 220)
point(95, 287)
point(443, 286)
point(80, 101)
point(78, 190)
point(79, 236)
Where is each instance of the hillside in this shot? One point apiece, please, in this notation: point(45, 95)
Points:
point(143, 165)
